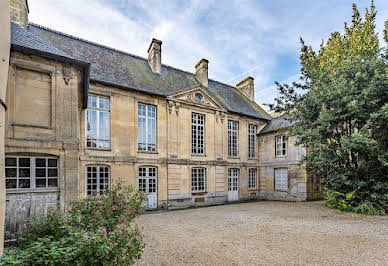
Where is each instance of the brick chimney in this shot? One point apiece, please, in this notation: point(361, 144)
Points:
point(201, 72)
point(247, 88)
point(155, 56)
point(19, 12)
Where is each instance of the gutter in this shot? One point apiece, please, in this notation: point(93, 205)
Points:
point(84, 66)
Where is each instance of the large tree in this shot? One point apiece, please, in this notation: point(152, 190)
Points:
point(340, 110)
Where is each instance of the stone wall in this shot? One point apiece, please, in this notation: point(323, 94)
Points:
point(42, 120)
point(297, 178)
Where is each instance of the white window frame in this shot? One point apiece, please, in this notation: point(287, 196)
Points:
point(252, 178)
point(233, 129)
point(33, 169)
point(283, 183)
point(252, 129)
point(280, 146)
point(149, 147)
point(198, 134)
point(195, 184)
point(98, 141)
point(147, 177)
point(98, 177)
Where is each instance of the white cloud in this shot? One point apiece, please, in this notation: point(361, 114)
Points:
point(234, 35)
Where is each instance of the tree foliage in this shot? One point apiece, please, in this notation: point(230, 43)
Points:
point(340, 110)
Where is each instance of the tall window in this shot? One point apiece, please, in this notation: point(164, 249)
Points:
point(232, 138)
point(281, 179)
point(280, 146)
point(197, 133)
point(98, 122)
point(252, 178)
point(147, 179)
point(31, 172)
point(98, 179)
point(252, 141)
point(146, 128)
point(198, 179)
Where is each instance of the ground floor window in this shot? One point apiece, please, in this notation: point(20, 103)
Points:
point(98, 179)
point(31, 172)
point(148, 179)
point(252, 178)
point(233, 179)
point(198, 179)
point(281, 179)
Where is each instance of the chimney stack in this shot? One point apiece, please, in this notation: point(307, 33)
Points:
point(19, 12)
point(155, 56)
point(247, 88)
point(201, 72)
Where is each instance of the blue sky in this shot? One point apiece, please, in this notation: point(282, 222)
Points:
point(239, 38)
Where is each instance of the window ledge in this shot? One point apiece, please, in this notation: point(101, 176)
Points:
point(252, 189)
point(198, 155)
point(233, 157)
point(97, 149)
point(149, 152)
point(199, 193)
point(281, 190)
point(31, 190)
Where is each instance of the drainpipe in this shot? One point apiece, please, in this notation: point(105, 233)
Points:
point(5, 47)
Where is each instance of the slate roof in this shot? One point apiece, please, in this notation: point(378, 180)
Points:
point(127, 71)
point(276, 124)
point(23, 38)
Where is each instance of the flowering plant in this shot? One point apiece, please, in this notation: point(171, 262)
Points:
point(98, 230)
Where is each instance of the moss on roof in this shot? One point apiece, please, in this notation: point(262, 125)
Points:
point(118, 68)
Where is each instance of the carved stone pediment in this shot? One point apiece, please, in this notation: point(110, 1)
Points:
point(197, 96)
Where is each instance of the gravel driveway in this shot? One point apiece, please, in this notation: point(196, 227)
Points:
point(264, 233)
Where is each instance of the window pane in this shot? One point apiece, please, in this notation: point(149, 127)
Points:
point(52, 162)
point(24, 172)
point(40, 162)
point(91, 125)
point(10, 183)
point(53, 182)
point(24, 162)
point(40, 182)
point(92, 101)
point(10, 161)
point(24, 183)
point(53, 172)
point(103, 103)
point(10, 172)
point(104, 125)
point(40, 172)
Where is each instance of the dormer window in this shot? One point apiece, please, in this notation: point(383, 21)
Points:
point(198, 97)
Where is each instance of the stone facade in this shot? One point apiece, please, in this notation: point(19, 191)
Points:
point(42, 120)
point(47, 118)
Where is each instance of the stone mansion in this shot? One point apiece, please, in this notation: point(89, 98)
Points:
point(82, 116)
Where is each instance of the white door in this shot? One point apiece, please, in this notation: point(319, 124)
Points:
point(148, 183)
point(233, 184)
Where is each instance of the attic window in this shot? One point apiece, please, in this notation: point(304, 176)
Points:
point(198, 97)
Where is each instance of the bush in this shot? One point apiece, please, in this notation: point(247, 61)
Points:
point(93, 231)
point(344, 202)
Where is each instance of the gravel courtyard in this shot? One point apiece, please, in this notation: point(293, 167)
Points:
point(264, 233)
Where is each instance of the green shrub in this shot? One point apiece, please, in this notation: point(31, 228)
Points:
point(369, 208)
point(337, 200)
point(97, 230)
